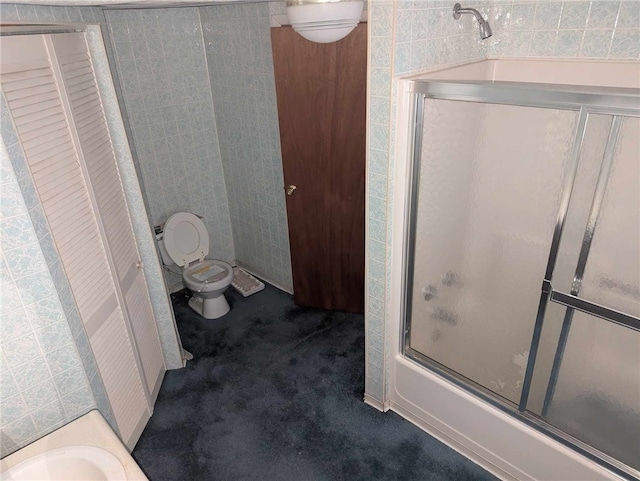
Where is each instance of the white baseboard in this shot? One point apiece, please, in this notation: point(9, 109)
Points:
point(371, 401)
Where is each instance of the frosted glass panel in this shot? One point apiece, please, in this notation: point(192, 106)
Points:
point(489, 189)
point(591, 153)
point(597, 397)
point(612, 275)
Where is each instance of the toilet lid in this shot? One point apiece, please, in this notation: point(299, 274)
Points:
point(186, 238)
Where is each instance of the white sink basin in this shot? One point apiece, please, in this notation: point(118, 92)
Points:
point(86, 449)
point(71, 463)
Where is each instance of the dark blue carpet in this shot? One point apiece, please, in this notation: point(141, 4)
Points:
point(275, 393)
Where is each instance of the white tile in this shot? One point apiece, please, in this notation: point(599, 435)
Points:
point(20, 431)
point(49, 416)
point(13, 408)
point(40, 395)
point(574, 15)
point(25, 261)
point(625, 44)
point(603, 14)
point(547, 15)
point(568, 43)
point(596, 43)
point(21, 349)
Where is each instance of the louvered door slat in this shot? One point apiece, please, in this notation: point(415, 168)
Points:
point(88, 107)
point(139, 308)
point(65, 198)
point(44, 160)
point(78, 68)
point(78, 73)
point(83, 97)
point(31, 128)
point(91, 293)
point(51, 173)
point(72, 56)
point(47, 127)
point(43, 88)
point(33, 148)
point(118, 375)
point(34, 108)
point(88, 111)
point(66, 148)
point(100, 163)
point(46, 139)
point(68, 220)
point(17, 77)
point(34, 121)
point(52, 190)
point(95, 140)
point(36, 97)
point(75, 78)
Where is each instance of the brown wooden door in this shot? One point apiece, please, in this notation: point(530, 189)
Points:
point(321, 90)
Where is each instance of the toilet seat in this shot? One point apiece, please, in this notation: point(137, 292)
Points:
point(186, 238)
point(207, 275)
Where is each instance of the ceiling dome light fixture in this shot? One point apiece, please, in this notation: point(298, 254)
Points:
point(324, 21)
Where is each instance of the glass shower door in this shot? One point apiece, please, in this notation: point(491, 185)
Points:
point(489, 188)
point(523, 266)
point(593, 389)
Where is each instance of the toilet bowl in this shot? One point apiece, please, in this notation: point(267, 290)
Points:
point(186, 243)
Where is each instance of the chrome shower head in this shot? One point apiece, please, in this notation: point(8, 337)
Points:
point(485, 28)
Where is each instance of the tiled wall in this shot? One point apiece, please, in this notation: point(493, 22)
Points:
point(598, 29)
point(161, 65)
point(42, 383)
point(204, 124)
point(411, 36)
point(48, 375)
point(238, 47)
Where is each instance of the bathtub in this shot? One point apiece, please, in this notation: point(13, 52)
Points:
point(85, 449)
point(509, 446)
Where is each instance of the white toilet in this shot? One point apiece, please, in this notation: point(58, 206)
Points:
point(185, 242)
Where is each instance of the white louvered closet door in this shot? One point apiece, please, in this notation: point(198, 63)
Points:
point(40, 108)
point(97, 152)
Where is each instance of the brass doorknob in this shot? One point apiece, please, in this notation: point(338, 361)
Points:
point(290, 189)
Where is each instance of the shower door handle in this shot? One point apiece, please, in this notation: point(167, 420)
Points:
point(596, 310)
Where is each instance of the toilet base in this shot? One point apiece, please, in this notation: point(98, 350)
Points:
point(212, 308)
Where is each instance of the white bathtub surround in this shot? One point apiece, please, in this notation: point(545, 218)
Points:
point(86, 448)
point(502, 444)
point(409, 38)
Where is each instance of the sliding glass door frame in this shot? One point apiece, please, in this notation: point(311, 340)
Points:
point(614, 102)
